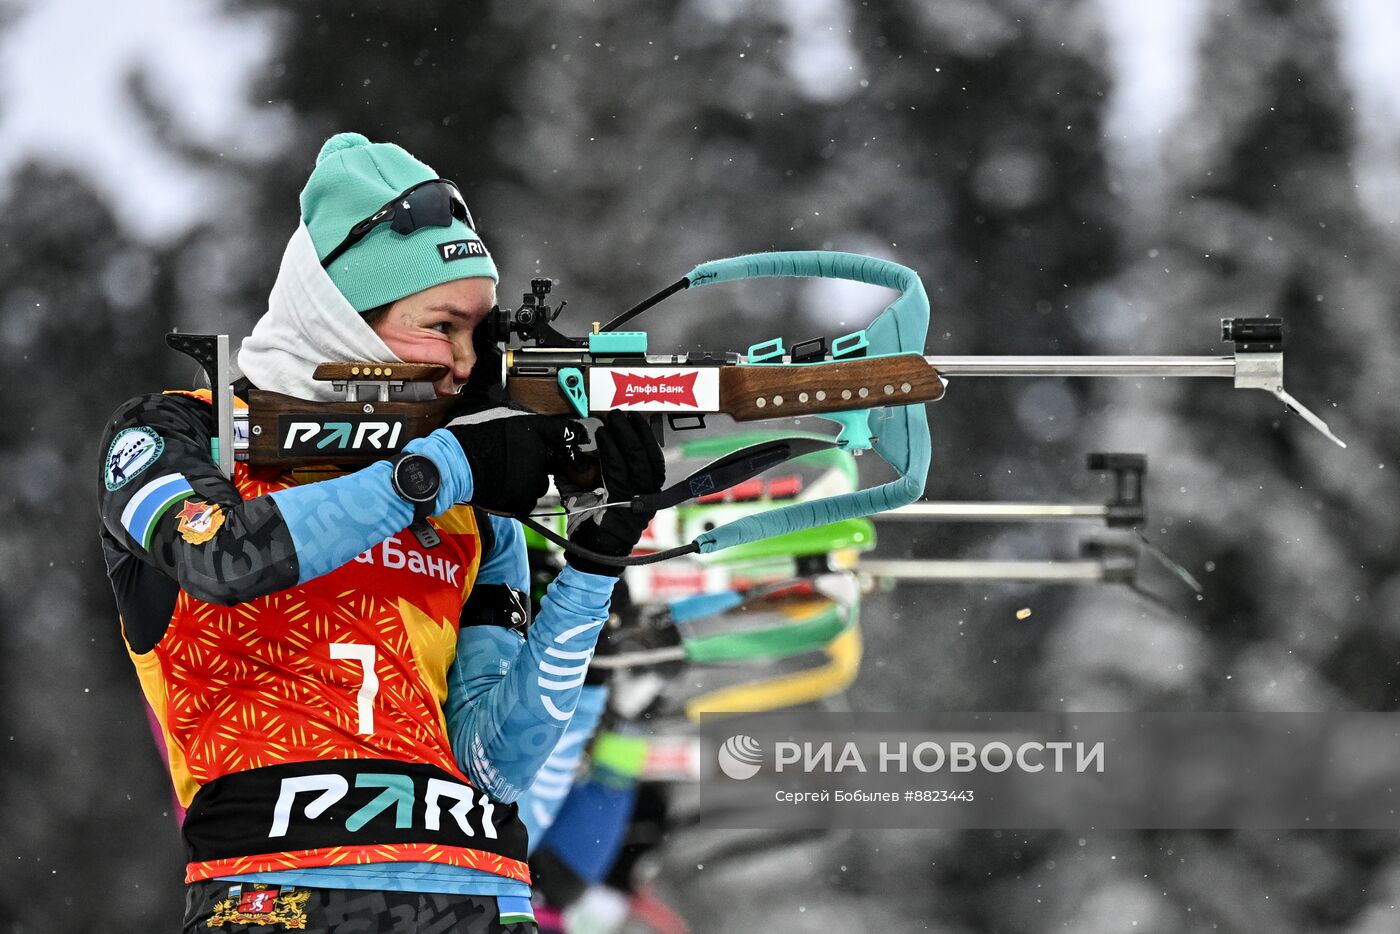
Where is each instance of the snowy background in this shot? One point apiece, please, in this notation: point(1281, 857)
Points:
point(1068, 176)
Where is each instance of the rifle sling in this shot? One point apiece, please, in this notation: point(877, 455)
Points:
point(735, 467)
point(597, 556)
point(718, 475)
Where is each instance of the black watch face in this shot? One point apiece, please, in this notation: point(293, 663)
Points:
point(417, 478)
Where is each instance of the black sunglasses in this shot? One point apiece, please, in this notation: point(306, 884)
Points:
point(434, 203)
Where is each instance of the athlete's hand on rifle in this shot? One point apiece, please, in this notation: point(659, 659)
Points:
point(512, 455)
point(631, 464)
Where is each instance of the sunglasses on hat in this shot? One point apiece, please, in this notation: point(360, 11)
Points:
point(434, 203)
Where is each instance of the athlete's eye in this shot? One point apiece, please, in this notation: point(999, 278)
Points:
point(442, 327)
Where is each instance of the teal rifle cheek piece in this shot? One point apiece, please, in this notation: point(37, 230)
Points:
point(902, 439)
point(618, 342)
point(571, 382)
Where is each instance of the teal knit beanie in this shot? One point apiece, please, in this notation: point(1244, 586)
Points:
point(354, 178)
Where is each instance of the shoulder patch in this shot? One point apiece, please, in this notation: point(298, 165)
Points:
point(150, 502)
point(199, 521)
point(132, 451)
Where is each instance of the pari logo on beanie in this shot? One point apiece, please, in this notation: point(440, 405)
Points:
point(461, 249)
point(354, 178)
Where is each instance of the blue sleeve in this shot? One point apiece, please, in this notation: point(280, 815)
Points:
point(541, 803)
point(509, 699)
point(507, 563)
point(333, 521)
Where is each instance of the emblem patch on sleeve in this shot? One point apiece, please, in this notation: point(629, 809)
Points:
point(132, 451)
point(199, 521)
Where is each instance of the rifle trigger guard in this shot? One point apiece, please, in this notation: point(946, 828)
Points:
point(855, 433)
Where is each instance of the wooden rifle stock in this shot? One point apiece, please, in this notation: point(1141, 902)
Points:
point(286, 432)
point(756, 391)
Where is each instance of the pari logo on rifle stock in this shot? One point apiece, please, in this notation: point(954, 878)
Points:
point(297, 434)
point(654, 389)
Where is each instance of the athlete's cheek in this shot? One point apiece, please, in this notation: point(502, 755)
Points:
point(419, 349)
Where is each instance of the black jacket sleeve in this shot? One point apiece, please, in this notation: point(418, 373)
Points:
point(156, 462)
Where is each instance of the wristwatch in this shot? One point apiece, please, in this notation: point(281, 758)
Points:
point(416, 479)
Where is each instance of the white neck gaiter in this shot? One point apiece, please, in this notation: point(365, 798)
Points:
point(308, 322)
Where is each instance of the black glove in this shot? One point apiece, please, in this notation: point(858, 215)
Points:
point(630, 462)
point(512, 455)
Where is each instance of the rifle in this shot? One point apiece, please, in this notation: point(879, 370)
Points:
point(871, 382)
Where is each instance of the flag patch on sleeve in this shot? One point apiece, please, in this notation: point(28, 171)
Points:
point(150, 502)
point(514, 909)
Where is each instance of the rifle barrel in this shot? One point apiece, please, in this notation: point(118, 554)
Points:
point(996, 512)
point(973, 570)
point(1083, 366)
